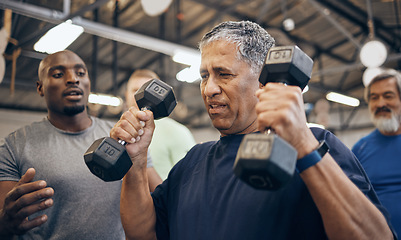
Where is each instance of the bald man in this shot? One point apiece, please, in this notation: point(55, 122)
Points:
point(46, 190)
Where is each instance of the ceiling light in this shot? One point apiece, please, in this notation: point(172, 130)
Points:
point(58, 38)
point(373, 54)
point(289, 24)
point(369, 74)
point(186, 57)
point(339, 98)
point(104, 99)
point(189, 74)
point(155, 7)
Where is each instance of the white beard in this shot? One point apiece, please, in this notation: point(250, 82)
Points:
point(387, 125)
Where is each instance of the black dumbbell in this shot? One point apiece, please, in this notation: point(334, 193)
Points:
point(265, 161)
point(108, 158)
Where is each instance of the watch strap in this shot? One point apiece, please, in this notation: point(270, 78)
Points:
point(312, 158)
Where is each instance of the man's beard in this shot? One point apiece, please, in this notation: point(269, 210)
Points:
point(388, 125)
point(71, 111)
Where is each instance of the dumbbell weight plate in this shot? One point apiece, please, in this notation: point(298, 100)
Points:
point(259, 154)
point(108, 159)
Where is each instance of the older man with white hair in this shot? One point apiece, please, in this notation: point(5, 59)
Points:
point(380, 151)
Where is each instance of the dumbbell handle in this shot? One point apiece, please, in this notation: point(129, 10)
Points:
point(268, 131)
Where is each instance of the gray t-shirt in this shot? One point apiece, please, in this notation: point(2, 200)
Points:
point(85, 207)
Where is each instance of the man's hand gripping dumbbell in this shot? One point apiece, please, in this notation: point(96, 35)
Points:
point(107, 158)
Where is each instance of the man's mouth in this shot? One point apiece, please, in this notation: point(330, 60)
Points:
point(382, 110)
point(73, 94)
point(216, 108)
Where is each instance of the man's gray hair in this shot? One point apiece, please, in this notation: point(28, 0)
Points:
point(385, 74)
point(253, 42)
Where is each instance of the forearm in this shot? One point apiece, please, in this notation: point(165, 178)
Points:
point(136, 206)
point(347, 213)
point(153, 178)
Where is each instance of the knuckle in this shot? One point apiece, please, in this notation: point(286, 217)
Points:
point(17, 191)
point(116, 132)
point(124, 115)
point(132, 109)
point(124, 124)
point(23, 213)
point(22, 202)
point(295, 94)
point(8, 198)
point(7, 208)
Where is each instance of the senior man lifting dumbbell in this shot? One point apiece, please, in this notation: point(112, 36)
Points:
point(107, 158)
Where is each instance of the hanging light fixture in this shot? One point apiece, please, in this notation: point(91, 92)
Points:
point(58, 38)
point(288, 23)
point(373, 53)
point(369, 74)
point(154, 8)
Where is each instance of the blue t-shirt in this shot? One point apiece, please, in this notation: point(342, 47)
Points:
point(380, 156)
point(203, 199)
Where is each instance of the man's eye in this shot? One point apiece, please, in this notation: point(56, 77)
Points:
point(204, 76)
point(81, 74)
point(57, 75)
point(225, 74)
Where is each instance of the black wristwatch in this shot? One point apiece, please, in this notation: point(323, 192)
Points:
point(323, 148)
point(312, 158)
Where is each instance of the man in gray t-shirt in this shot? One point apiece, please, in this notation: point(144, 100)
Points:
point(46, 190)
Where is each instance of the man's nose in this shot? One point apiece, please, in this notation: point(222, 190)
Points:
point(72, 78)
point(211, 87)
point(381, 101)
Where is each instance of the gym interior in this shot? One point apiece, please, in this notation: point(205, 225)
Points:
point(118, 37)
point(348, 42)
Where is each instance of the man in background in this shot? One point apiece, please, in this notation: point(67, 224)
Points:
point(380, 151)
point(171, 139)
point(46, 190)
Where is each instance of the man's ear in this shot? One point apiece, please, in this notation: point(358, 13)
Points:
point(39, 88)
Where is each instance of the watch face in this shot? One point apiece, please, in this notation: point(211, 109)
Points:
point(373, 54)
point(323, 148)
